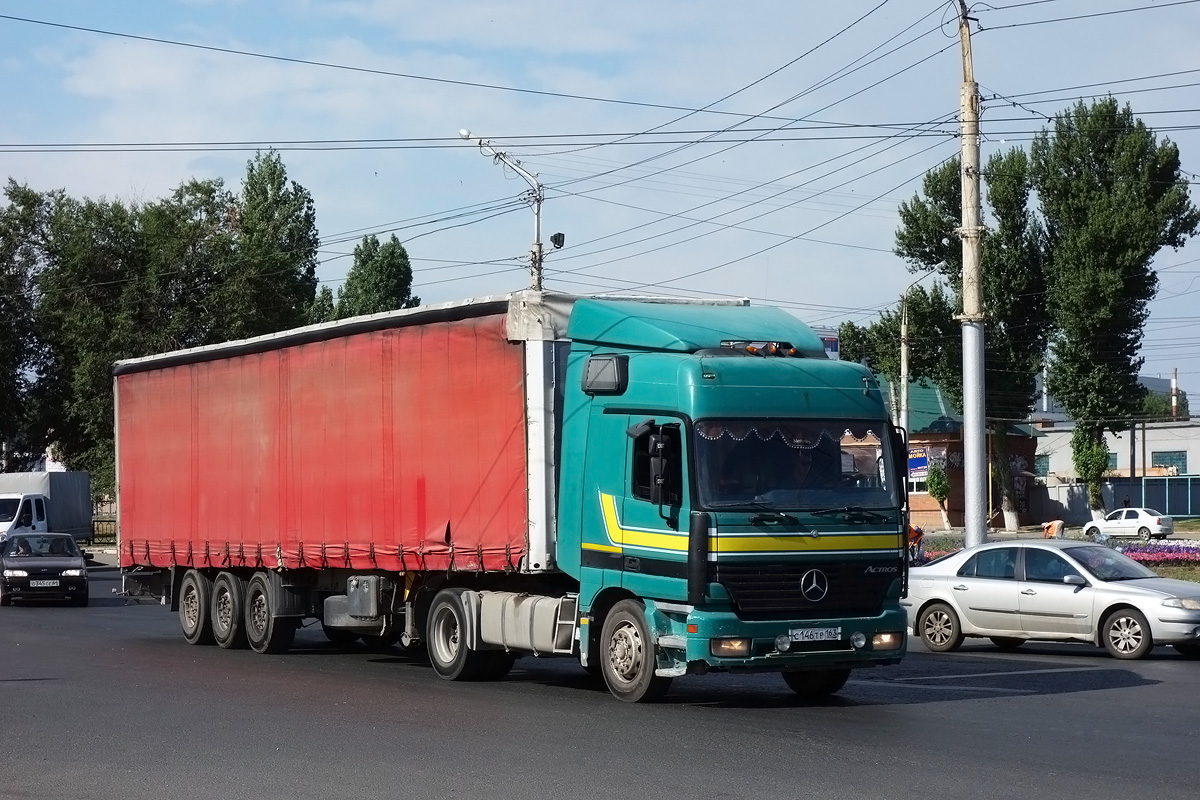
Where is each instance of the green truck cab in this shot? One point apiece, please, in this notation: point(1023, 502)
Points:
point(730, 499)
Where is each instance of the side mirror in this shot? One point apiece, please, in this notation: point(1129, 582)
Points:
point(1074, 580)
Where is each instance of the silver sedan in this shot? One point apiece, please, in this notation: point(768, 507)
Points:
point(1013, 592)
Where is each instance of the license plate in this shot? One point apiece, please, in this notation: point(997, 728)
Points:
point(43, 584)
point(815, 634)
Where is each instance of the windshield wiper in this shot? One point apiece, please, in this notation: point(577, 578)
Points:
point(852, 513)
point(774, 517)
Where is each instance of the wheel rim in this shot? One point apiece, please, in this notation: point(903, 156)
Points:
point(191, 608)
point(1144, 534)
point(258, 613)
point(223, 611)
point(445, 635)
point(1125, 634)
point(625, 651)
point(938, 628)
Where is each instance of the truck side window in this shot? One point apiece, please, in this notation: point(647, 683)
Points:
point(39, 509)
point(25, 516)
point(641, 466)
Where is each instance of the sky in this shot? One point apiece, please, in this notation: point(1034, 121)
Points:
point(700, 148)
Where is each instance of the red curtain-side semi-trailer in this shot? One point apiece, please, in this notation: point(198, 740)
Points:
point(396, 449)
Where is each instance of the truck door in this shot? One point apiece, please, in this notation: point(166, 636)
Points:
point(654, 525)
point(24, 522)
point(40, 523)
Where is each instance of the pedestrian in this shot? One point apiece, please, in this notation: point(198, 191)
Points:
point(1125, 502)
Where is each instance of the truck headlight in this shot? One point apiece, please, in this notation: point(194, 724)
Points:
point(730, 648)
point(15, 573)
point(1190, 603)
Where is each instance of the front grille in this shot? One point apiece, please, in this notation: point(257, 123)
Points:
point(773, 591)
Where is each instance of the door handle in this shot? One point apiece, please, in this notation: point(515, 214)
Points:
point(1029, 592)
point(960, 588)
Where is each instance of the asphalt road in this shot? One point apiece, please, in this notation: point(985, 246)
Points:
point(109, 702)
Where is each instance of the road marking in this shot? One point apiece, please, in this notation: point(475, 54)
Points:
point(1001, 674)
point(992, 689)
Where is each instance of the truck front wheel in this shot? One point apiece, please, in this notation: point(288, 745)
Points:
point(195, 593)
point(627, 655)
point(446, 641)
point(815, 684)
point(266, 632)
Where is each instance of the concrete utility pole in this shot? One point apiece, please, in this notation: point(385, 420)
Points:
point(534, 196)
point(975, 473)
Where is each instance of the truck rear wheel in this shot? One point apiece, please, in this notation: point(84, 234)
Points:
point(266, 632)
point(627, 655)
point(446, 640)
point(195, 594)
point(228, 598)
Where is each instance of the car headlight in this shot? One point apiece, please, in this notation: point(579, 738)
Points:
point(1190, 603)
point(15, 573)
point(73, 573)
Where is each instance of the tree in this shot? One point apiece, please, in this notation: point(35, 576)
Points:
point(1112, 196)
point(379, 280)
point(323, 309)
point(938, 485)
point(1157, 407)
point(1013, 266)
point(270, 282)
point(22, 225)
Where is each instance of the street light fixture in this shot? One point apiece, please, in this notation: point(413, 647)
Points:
point(534, 196)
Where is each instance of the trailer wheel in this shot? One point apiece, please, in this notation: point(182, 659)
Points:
point(627, 655)
point(228, 598)
point(446, 641)
point(195, 593)
point(266, 632)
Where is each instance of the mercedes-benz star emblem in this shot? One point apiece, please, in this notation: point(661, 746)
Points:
point(814, 586)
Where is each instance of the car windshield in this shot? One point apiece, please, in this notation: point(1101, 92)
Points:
point(1108, 564)
point(8, 508)
point(790, 465)
point(41, 546)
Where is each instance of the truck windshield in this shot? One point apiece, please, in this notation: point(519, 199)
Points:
point(794, 465)
point(8, 508)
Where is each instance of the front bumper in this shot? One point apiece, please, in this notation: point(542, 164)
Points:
point(69, 588)
point(1175, 626)
point(690, 638)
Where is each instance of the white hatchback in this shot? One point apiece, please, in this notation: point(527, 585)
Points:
point(1141, 523)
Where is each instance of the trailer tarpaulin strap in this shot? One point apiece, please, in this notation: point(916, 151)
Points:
point(324, 559)
point(371, 554)
point(347, 555)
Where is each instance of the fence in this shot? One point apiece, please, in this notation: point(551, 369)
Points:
point(1175, 496)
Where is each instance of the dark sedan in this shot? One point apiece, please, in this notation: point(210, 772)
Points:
point(42, 565)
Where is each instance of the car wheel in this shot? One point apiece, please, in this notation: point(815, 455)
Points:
point(627, 655)
point(195, 593)
point(1189, 651)
point(5, 597)
point(816, 684)
point(1144, 534)
point(228, 624)
point(1007, 642)
point(82, 600)
point(266, 632)
point(1091, 532)
point(940, 629)
point(1127, 635)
